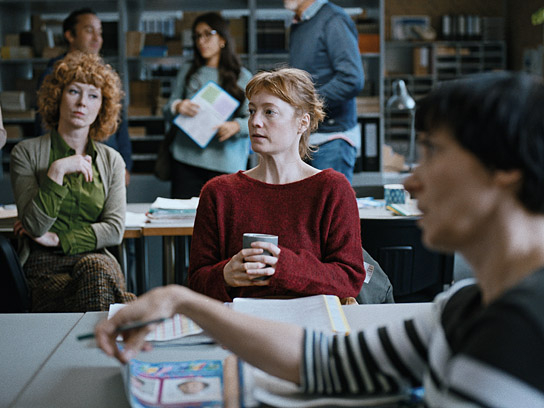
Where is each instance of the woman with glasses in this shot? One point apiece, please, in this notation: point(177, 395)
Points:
point(214, 60)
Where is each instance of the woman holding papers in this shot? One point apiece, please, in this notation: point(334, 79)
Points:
point(481, 345)
point(70, 191)
point(314, 213)
point(228, 151)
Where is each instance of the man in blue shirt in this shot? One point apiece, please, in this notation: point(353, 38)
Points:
point(323, 42)
point(83, 32)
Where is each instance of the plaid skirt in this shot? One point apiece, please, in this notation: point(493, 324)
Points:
point(85, 282)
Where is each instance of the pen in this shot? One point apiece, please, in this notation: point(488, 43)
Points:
point(126, 327)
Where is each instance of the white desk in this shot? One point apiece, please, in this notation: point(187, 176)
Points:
point(77, 374)
point(26, 342)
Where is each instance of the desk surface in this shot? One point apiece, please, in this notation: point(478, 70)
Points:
point(27, 341)
point(68, 372)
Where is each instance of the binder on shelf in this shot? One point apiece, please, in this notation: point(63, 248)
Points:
point(370, 145)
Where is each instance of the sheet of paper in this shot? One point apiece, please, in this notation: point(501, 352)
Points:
point(177, 327)
point(216, 106)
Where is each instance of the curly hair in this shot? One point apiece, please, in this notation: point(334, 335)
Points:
point(295, 87)
point(87, 69)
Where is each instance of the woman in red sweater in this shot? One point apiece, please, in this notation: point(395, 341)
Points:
point(314, 213)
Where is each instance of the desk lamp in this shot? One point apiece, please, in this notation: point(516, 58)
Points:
point(401, 101)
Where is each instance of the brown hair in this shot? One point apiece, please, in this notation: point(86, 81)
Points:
point(295, 87)
point(87, 69)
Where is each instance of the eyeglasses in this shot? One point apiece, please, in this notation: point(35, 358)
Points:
point(204, 34)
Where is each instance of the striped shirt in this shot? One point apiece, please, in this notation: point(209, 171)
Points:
point(465, 354)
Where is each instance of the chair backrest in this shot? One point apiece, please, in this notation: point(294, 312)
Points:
point(14, 293)
point(417, 274)
point(378, 289)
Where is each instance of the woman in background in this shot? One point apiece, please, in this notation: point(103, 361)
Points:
point(214, 60)
point(314, 213)
point(70, 191)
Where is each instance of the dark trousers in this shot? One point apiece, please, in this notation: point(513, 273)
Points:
point(187, 181)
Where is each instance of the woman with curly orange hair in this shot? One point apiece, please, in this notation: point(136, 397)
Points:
point(70, 191)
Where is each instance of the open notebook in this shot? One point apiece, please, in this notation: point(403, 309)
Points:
point(322, 312)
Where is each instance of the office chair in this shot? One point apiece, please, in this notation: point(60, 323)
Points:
point(416, 273)
point(14, 293)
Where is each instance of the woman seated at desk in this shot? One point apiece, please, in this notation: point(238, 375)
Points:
point(70, 191)
point(314, 213)
point(481, 345)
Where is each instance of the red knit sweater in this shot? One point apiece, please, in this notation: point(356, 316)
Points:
point(316, 220)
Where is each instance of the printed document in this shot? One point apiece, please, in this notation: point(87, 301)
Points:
point(216, 106)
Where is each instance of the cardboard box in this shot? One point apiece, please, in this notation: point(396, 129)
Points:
point(29, 114)
point(153, 39)
point(52, 52)
point(238, 30)
point(421, 61)
point(134, 43)
point(137, 131)
point(11, 40)
point(186, 22)
point(174, 47)
point(29, 87)
point(14, 101)
point(139, 111)
point(145, 94)
point(369, 43)
point(20, 52)
point(14, 131)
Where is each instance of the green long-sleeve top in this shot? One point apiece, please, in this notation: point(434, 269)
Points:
point(85, 215)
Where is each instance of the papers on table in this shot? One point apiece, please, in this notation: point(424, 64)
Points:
point(321, 312)
point(216, 106)
point(409, 209)
point(133, 220)
point(172, 209)
point(171, 329)
point(175, 204)
point(8, 211)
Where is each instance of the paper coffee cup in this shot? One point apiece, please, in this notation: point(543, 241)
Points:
point(394, 194)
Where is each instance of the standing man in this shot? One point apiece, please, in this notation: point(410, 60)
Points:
point(323, 42)
point(83, 32)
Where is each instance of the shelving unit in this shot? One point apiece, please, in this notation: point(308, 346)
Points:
point(120, 16)
point(446, 60)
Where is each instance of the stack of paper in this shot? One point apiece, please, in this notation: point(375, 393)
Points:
point(172, 209)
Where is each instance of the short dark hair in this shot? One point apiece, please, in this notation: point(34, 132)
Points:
point(499, 118)
point(69, 23)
